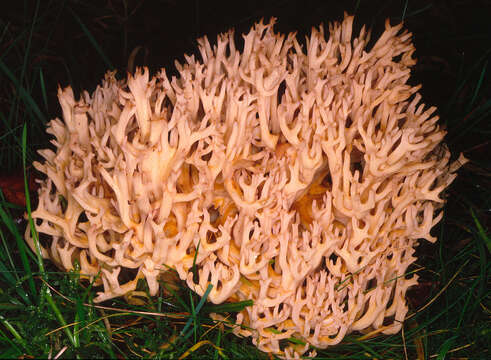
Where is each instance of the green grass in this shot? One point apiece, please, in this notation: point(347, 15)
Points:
point(47, 313)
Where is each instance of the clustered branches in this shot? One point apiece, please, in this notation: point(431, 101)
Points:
point(305, 175)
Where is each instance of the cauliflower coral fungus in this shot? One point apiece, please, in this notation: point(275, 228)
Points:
point(300, 177)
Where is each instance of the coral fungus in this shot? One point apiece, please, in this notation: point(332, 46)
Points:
point(303, 177)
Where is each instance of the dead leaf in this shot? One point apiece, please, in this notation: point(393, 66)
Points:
point(12, 186)
point(419, 294)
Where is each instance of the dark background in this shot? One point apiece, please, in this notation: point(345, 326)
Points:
point(447, 34)
point(67, 38)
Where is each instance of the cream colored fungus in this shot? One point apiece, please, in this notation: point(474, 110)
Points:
point(306, 174)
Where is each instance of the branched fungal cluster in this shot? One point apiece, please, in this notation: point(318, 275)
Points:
point(304, 176)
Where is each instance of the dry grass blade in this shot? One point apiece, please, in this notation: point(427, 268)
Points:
point(197, 346)
point(169, 315)
point(440, 292)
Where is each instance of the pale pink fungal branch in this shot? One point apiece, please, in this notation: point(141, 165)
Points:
point(306, 175)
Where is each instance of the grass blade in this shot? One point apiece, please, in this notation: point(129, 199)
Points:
point(92, 40)
point(481, 231)
point(198, 308)
point(24, 94)
point(43, 89)
point(228, 307)
point(479, 83)
point(7, 220)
